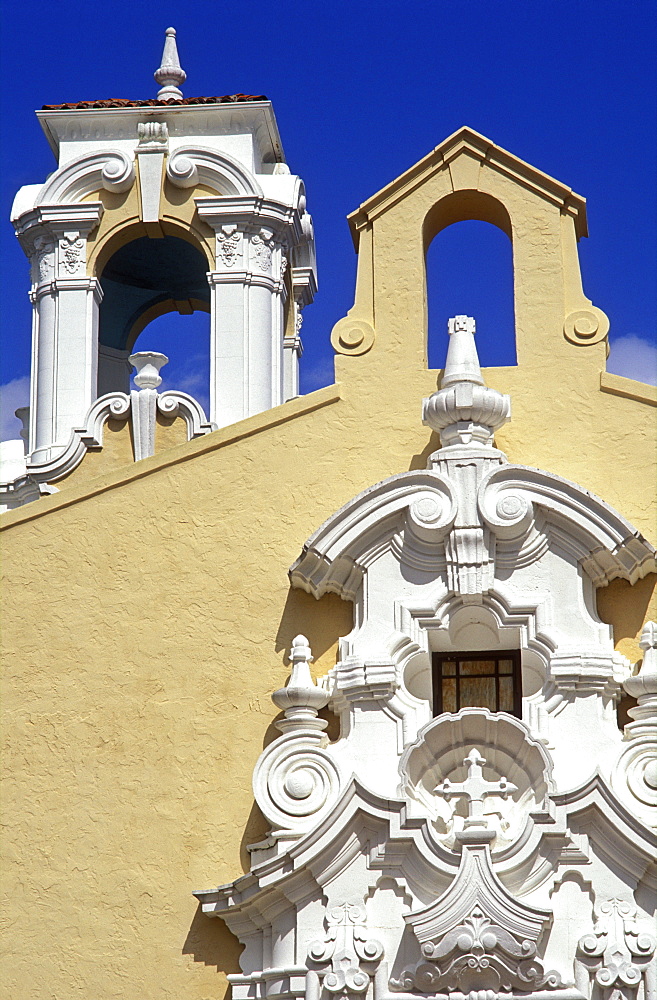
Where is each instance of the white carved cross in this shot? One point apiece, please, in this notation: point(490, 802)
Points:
point(475, 788)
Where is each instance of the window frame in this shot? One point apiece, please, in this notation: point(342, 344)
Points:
point(456, 656)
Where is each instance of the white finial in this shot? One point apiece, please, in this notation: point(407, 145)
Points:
point(465, 411)
point(643, 686)
point(148, 364)
point(301, 699)
point(170, 74)
point(462, 364)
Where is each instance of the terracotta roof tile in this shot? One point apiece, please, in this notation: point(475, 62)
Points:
point(122, 103)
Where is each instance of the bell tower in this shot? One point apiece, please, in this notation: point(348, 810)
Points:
point(161, 205)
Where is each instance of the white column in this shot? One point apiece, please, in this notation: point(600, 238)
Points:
point(65, 305)
point(247, 302)
point(65, 375)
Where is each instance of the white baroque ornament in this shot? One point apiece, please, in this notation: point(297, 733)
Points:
point(228, 245)
point(634, 778)
point(617, 954)
point(71, 254)
point(152, 132)
point(295, 781)
point(44, 259)
point(261, 250)
point(476, 936)
point(345, 945)
point(456, 829)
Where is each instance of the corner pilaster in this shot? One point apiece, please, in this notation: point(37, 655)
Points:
point(65, 303)
point(248, 294)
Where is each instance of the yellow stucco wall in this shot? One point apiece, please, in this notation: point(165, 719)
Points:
point(147, 613)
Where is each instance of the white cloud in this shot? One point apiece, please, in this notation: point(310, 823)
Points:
point(12, 395)
point(317, 375)
point(635, 358)
point(192, 376)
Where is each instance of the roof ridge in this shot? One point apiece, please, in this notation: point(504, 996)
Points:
point(118, 102)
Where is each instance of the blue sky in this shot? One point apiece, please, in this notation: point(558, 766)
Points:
point(361, 91)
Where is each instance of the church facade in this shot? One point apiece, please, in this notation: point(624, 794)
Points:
point(349, 694)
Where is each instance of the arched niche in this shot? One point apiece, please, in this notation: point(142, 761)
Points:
point(468, 247)
point(475, 628)
point(185, 340)
point(469, 271)
point(142, 280)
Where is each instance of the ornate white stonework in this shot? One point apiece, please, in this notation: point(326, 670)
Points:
point(634, 778)
point(229, 242)
point(264, 251)
point(170, 73)
point(141, 407)
point(469, 855)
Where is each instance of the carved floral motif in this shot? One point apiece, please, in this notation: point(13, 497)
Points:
point(478, 954)
point(44, 259)
point(71, 253)
point(228, 245)
point(262, 247)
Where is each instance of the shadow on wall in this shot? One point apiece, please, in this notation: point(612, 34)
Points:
point(420, 460)
point(625, 608)
point(323, 622)
point(210, 941)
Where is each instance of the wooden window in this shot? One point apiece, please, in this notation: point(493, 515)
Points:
point(477, 680)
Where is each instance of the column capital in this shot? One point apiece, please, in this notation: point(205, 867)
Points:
point(251, 213)
point(82, 217)
point(246, 278)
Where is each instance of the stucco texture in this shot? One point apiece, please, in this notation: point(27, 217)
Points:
point(147, 613)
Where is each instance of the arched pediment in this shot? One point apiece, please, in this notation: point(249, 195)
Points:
point(604, 542)
point(114, 170)
point(514, 502)
point(335, 556)
point(191, 165)
point(111, 169)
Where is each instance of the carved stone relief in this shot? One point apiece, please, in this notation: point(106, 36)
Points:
point(42, 259)
point(618, 954)
point(71, 254)
point(347, 947)
point(261, 250)
point(229, 248)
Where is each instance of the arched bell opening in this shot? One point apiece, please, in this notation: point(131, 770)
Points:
point(185, 339)
point(469, 271)
point(143, 280)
